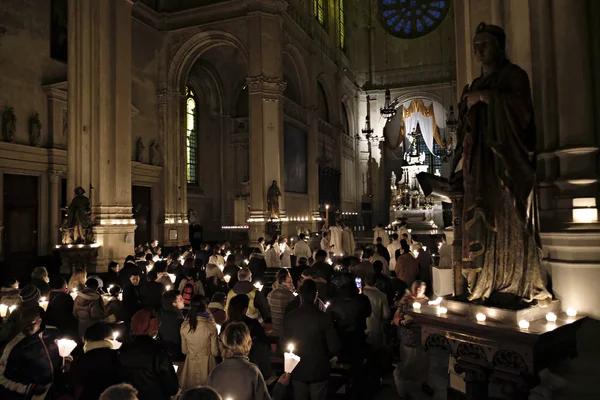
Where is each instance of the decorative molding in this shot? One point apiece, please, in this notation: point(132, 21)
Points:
point(294, 110)
point(266, 85)
point(145, 174)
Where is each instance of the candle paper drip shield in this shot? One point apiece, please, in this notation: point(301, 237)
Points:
point(116, 345)
point(65, 347)
point(290, 362)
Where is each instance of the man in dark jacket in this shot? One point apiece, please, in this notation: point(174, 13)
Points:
point(257, 265)
point(259, 307)
point(315, 340)
point(151, 293)
point(131, 295)
point(29, 362)
point(129, 268)
point(146, 362)
point(60, 309)
point(170, 319)
point(98, 368)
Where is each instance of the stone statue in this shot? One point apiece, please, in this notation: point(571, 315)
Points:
point(192, 217)
point(496, 163)
point(139, 150)
point(35, 130)
point(9, 124)
point(273, 200)
point(154, 153)
point(79, 218)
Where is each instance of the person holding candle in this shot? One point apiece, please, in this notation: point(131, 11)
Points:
point(315, 340)
point(146, 363)
point(98, 368)
point(199, 342)
point(77, 280)
point(152, 291)
point(170, 318)
point(259, 307)
point(115, 311)
point(414, 365)
point(9, 292)
point(112, 276)
point(30, 362)
point(132, 296)
point(257, 264)
point(236, 377)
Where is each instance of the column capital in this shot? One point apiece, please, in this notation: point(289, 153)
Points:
point(266, 85)
point(54, 175)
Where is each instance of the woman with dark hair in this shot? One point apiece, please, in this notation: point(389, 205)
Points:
point(260, 351)
point(199, 343)
point(60, 308)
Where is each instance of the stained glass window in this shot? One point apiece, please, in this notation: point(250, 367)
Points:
point(318, 11)
point(191, 137)
point(342, 26)
point(411, 19)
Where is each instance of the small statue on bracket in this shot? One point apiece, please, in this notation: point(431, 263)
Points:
point(9, 124)
point(35, 130)
point(154, 153)
point(273, 195)
point(139, 150)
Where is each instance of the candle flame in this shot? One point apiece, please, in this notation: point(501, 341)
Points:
point(291, 348)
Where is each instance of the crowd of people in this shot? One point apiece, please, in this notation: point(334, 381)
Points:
point(213, 323)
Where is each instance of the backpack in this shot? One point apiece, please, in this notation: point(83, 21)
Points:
point(189, 290)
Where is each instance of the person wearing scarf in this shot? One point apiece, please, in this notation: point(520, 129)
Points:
point(199, 342)
point(147, 364)
point(98, 368)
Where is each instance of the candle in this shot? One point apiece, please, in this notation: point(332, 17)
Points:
point(480, 317)
point(326, 213)
point(74, 294)
point(227, 278)
point(327, 305)
point(44, 303)
point(172, 277)
point(442, 310)
point(168, 287)
point(3, 310)
point(116, 345)
point(218, 329)
point(246, 261)
point(523, 324)
point(290, 359)
point(11, 309)
point(65, 347)
point(175, 367)
point(110, 287)
point(259, 286)
point(115, 335)
point(221, 267)
point(416, 305)
point(571, 312)
point(551, 317)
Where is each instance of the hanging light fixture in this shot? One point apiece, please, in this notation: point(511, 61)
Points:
point(388, 111)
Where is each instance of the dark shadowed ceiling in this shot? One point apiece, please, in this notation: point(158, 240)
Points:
point(177, 5)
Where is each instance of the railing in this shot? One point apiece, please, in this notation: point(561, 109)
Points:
point(294, 110)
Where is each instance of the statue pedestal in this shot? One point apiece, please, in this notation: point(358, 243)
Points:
point(497, 351)
point(78, 256)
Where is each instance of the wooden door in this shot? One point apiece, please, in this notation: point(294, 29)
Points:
point(141, 199)
point(20, 238)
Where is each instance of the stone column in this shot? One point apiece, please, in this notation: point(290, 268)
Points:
point(265, 88)
point(172, 134)
point(99, 113)
point(54, 220)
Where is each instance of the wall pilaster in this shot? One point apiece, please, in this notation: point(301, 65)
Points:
point(99, 119)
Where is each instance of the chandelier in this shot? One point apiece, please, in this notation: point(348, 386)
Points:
point(388, 111)
point(367, 131)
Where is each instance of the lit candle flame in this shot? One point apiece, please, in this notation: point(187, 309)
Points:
point(291, 348)
point(115, 335)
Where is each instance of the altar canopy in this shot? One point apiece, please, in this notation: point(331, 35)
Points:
point(427, 113)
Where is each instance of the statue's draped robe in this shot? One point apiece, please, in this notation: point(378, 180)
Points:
point(78, 217)
point(501, 243)
point(273, 201)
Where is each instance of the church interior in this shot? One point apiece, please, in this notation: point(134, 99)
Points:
point(185, 120)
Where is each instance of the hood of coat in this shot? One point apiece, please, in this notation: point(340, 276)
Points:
point(88, 294)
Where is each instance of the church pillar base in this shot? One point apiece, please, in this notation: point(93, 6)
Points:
point(176, 231)
point(115, 243)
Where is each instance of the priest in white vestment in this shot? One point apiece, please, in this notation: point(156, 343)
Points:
point(302, 249)
point(325, 243)
point(391, 248)
point(335, 232)
point(445, 253)
point(285, 252)
point(348, 244)
point(380, 232)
